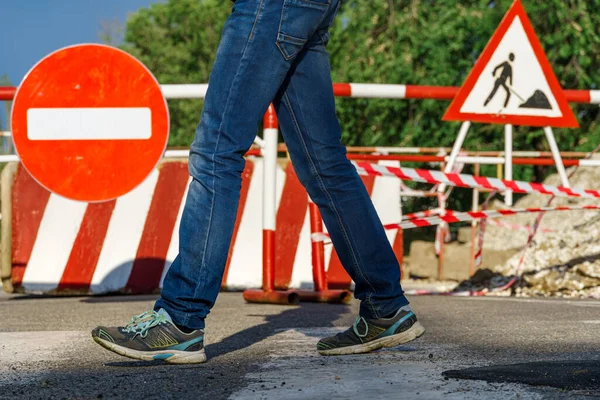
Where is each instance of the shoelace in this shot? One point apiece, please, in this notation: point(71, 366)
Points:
point(355, 327)
point(141, 324)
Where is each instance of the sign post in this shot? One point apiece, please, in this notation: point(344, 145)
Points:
point(512, 83)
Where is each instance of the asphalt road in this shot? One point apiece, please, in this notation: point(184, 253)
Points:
point(267, 351)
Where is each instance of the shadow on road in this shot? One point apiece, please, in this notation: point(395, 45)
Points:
point(303, 316)
point(120, 298)
point(568, 375)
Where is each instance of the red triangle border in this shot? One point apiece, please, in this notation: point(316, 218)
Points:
point(567, 120)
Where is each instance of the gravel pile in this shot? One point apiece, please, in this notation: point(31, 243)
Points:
point(564, 262)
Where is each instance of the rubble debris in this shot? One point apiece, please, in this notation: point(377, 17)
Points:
point(564, 262)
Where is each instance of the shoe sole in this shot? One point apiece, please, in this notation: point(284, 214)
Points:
point(414, 332)
point(170, 356)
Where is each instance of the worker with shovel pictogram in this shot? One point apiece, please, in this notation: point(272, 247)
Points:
point(537, 100)
point(505, 75)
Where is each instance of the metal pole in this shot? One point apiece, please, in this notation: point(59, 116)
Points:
point(462, 134)
point(7, 180)
point(508, 171)
point(475, 208)
point(556, 155)
point(270, 137)
point(318, 249)
point(268, 294)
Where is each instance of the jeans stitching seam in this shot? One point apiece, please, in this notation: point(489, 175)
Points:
point(326, 192)
point(317, 3)
point(255, 22)
point(279, 32)
point(323, 42)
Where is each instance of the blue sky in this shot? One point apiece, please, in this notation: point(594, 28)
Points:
point(32, 29)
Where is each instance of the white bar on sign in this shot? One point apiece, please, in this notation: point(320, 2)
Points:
point(127, 123)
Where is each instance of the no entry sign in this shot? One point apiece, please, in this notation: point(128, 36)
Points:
point(90, 122)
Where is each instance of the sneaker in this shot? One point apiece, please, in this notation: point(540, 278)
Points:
point(371, 334)
point(153, 336)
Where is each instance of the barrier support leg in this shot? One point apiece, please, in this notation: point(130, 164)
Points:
point(557, 158)
point(508, 172)
point(475, 208)
point(440, 273)
point(322, 293)
point(400, 238)
point(6, 182)
point(268, 294)
point(440, 238)
point(462, 134)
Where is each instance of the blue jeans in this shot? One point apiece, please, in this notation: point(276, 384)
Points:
point(274, 51)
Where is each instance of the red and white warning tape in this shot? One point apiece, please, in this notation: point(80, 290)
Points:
point(515, 227)
point(470, 181)
point(454, 216)
point(422, 214)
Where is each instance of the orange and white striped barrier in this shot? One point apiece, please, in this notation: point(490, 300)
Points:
point(354, 90)
point(369, 90)
point(126, 245)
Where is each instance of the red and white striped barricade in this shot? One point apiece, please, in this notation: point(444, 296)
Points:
point(126, 245)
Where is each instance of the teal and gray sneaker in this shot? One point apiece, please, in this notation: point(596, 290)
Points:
point(153, 336)
point(371, 334)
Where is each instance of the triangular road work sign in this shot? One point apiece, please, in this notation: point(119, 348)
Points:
point(512, 82)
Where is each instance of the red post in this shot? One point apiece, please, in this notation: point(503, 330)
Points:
point(474, 249)
point(7, 93)
point(270, 137)
point(268, 294)
point(322, 293)
point(400, 251)
point(318, 249)
point(268, 284)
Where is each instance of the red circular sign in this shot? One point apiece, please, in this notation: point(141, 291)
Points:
point(90, 122)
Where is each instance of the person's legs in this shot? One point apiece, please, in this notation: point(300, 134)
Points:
point(269, 49)
point(252, 62)
point(246, 76)
point(306, 110)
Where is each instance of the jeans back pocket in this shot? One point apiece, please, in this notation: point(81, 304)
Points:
point(299, 20)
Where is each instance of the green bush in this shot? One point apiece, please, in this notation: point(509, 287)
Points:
point(391, 41)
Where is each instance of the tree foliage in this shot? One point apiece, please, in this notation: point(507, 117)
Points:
point(425, 42)
point(436, 43)
point(178, 41)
